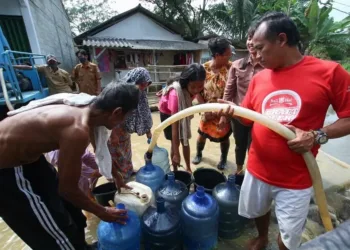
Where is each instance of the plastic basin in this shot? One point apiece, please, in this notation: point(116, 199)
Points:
point(208, 178)
point(104, 193)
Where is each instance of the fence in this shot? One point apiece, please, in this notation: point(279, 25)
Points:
point(161, 73)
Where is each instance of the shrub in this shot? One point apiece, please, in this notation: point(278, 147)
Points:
point(346, 64)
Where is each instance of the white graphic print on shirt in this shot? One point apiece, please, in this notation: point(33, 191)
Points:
point(282, 106)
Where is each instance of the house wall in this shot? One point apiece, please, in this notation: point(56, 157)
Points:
point(139, 26)
point(167, 58)
point(206, 56)
point(10, 8)
point(240, 54)
point(20, 8)
point(53, 31)
point(47, 27)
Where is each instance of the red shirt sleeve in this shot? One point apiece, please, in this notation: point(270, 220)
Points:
point(173, 102)
point(340, 87)
point(247, 102)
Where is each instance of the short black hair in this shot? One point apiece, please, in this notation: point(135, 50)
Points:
point(218, 45)
point(277, 23)
point(251, 30)
point(81, 51)
point(117, 95)
point(193, 72)
point(250, 33)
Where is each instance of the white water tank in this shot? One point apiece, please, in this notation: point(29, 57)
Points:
point(138, 199)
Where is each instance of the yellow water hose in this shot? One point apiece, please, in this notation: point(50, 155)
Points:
point(4, 91)
point(310, 161)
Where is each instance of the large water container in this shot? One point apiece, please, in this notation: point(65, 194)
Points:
point(138, 199)
point(173, 191)
point(199, 219)
point(114, 236)
point(160, 157)
point(161, 227)
point(227, 196)
point(151, 176)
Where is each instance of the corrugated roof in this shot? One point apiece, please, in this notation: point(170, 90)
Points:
point(107, 42)
point(142, 44)
point(166, 45)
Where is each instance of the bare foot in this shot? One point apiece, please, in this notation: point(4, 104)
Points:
point(258, 243)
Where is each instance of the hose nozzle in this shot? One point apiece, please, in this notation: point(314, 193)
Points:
point(148, 157)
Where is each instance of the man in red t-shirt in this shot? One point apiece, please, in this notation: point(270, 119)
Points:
point(296, 91)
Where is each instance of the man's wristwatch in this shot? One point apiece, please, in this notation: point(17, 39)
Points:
point(320, 137)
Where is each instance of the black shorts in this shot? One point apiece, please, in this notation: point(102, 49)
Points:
point(32, 208)
point(167, 130)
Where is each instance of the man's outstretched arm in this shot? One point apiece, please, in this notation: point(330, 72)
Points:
point(72, 147)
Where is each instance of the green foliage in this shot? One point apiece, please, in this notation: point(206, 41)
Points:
point(231, 18)
point(325, 38)
point(346, 64)
point(320, 51)
point(86, 14)
point(321, 36)
point(268, 5)
point(182, 14)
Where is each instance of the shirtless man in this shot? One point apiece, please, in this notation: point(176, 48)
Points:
point(44, 213)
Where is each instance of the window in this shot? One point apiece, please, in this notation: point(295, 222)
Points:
point(15, 33)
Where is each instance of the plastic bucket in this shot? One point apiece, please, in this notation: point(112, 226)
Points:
point(104, 193)
point(183, 176)
point(208, 178)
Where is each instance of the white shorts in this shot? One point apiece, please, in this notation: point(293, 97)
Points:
point(291, 207)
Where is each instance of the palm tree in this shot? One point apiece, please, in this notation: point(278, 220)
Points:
point(324, 37)
point(321, 36)
point(182, 14)
point(231, 17)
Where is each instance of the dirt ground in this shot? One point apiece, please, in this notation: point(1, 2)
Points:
point(211, 153)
